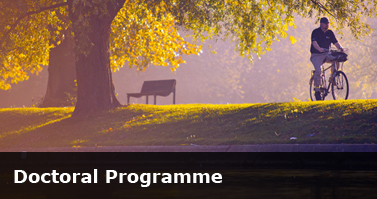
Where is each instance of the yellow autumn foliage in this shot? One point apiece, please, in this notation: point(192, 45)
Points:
point(142, 37)
point(146, 32)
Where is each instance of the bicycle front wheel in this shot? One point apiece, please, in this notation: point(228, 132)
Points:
point(339, 87)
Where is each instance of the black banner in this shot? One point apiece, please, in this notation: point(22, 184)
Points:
point(188, 175)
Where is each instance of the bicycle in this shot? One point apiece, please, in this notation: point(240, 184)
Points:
point(339, 84)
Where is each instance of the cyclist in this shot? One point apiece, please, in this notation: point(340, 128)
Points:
point(322, 38)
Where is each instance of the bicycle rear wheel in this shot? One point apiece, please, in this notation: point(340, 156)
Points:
point(339, 87)
point(312, 97)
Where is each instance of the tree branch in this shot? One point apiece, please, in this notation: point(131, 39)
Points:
point(28, 14)
point(323, 7)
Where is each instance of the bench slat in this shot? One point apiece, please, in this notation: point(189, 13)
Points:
point(159, 85)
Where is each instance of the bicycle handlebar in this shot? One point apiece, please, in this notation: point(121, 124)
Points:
point(334, 50)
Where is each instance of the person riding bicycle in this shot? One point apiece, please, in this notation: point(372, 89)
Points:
point(322, 38)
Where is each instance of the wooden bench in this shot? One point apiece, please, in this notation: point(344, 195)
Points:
point(155, 88)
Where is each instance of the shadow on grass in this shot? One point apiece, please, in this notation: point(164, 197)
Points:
point(238, 127)
point(16, 120)
point(46, 130)
point(195, 125)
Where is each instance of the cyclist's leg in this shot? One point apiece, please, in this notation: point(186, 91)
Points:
point(332, 72)
point(329, 59)
point(333, 69)
point(317, 61)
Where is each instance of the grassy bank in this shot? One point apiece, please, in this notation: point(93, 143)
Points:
point(351, 121)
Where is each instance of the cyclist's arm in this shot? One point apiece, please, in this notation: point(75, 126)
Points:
point(338, 46)
point(335, 41)
point(316, 46)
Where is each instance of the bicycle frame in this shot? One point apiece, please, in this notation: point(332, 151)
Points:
point(327, 90)
point(323, 88)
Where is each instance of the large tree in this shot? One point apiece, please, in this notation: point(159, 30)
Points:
point(253, 25)
point(153, 41)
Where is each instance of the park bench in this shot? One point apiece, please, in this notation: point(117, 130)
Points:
point(155, 88)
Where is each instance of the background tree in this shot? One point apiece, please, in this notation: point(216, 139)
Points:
point(61, 88)
point(24, 39)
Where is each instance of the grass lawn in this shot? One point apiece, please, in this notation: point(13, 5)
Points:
point(350, 121)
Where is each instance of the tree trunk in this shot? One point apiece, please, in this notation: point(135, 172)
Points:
point(61, 76)
point(95, 88)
